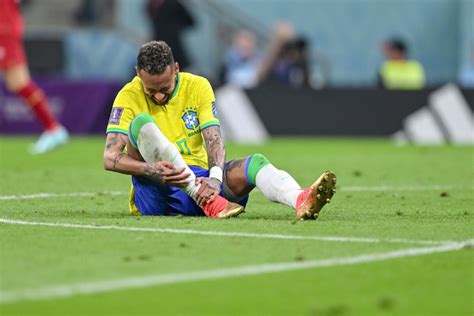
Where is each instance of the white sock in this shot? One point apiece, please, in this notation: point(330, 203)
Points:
point(278, 185)
point(154, 146)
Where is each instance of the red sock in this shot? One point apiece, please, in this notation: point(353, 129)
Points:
point(34, 97)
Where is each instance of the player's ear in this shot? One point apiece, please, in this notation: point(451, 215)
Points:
point(136, 70)
point(176, 67)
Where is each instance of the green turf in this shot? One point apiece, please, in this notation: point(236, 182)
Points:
point(440, 207)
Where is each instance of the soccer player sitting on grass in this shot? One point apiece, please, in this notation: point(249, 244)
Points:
point(163, 130)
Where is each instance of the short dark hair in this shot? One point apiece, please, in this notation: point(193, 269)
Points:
point(398, 44)
point(154, 57)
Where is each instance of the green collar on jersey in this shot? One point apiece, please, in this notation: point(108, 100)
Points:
point(175, 91)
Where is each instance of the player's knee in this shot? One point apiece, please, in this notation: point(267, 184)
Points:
point(255, 163)
point(14, 86)
point(258, 160)
point(135, 126)
point(16, 78)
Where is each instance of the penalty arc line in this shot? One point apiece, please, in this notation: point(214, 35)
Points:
point(230, 234)
point(86, 288)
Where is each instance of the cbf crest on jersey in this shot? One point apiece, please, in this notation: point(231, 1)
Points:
point(190, 120)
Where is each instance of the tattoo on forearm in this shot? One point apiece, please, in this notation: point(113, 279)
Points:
point(153, 173)
point(215, 146)
point(149, 170)
point(114, 147)
point(117, 159)
point(112, 141)
point(214, 183)
point(111, 144)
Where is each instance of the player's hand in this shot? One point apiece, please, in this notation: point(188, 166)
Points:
point(168, 173)
point(208, 191)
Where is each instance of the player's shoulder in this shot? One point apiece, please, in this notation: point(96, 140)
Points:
point(134, 87)
point(131, 95)
point(192, 80)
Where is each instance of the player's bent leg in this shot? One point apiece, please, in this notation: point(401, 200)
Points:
point(153, 146)
point(18, 81)
point(50, 139)
point(16, 77)
point(279, 186)
point(236, 186)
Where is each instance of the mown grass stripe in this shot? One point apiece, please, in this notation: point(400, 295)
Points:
point(87, 288)
point(230, 234)
point(380, 188)
point(55, 195)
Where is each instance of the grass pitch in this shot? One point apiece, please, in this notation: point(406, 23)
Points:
point(423, 195)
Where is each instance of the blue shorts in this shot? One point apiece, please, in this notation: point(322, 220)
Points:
point(163, 200)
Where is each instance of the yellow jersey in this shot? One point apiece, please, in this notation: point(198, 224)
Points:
point(191, 109)
point(403, 74)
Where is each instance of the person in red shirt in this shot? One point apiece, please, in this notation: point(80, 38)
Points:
point(14, 66)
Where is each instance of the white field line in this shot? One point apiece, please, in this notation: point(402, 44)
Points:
point(380, 188)
point(390, 188)
point(67, 290)
point(58, 195)
point(231, 234)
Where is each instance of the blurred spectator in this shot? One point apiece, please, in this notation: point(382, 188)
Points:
point(86, 13)
point(169, 19)
point(287, 58)
point(398, 72)
point(17, 77)
point(466, 76)
point(242, 61)
point(91, 12)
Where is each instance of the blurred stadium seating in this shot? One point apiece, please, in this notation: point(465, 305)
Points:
point(345, 34)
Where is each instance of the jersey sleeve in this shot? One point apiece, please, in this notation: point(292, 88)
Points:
point(207, 106)
point(121, 114)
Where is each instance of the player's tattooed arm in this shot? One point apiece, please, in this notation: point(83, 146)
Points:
point(115, 159)
point(210, 187)
point(215, 146)
point(132, 163)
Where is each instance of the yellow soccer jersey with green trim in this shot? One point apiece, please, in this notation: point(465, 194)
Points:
point(190, 110)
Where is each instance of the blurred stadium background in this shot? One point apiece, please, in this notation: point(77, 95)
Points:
point(333, 113)
point(82, 52)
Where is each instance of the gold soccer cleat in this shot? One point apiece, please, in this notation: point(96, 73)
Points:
point(231, 210)
point(222, 208)
point(311, 200)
